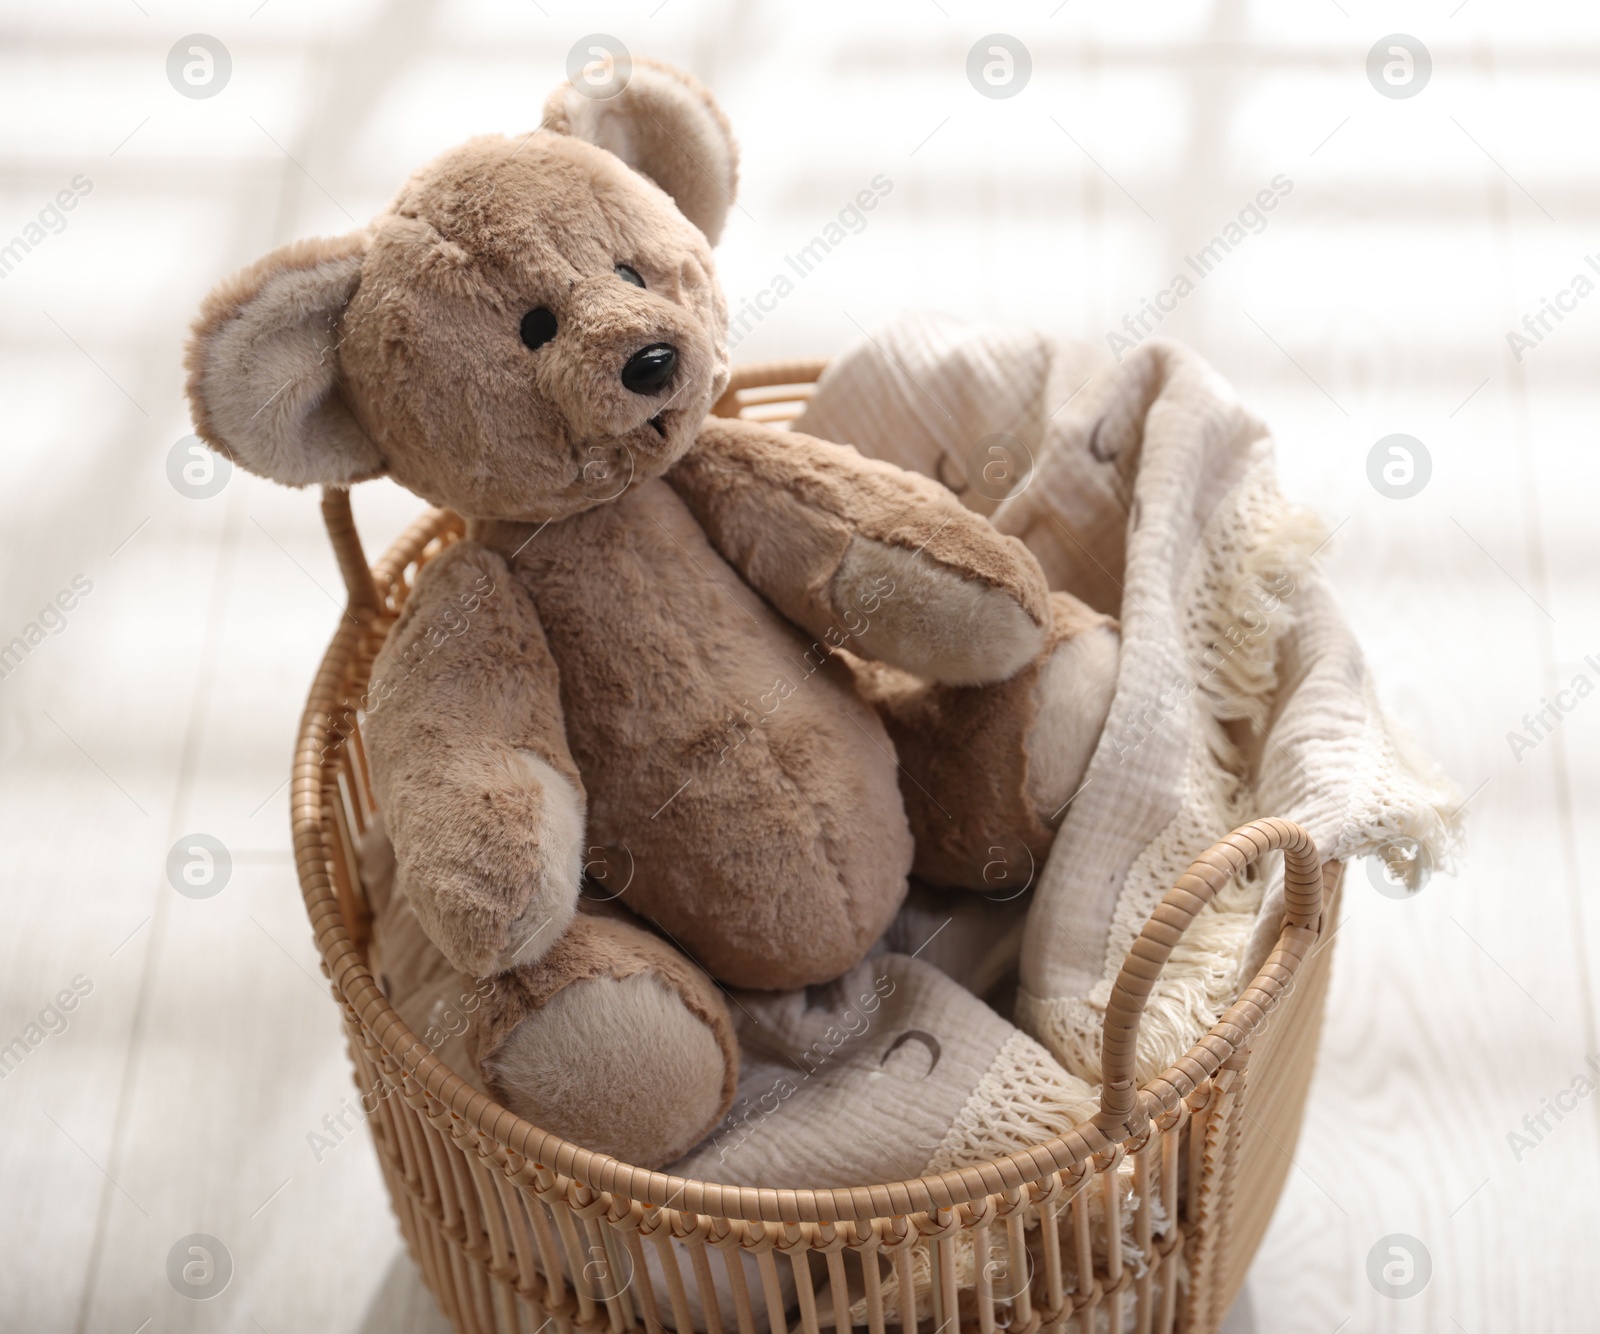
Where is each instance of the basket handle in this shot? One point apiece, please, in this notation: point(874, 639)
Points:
point(1122, 1111)
point(341, 525)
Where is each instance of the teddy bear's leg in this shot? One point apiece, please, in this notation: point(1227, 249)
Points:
point(612, 1040)
point(987, 771)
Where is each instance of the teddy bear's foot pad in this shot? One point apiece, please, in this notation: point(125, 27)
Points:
point(612, 1040)
point(987, 772)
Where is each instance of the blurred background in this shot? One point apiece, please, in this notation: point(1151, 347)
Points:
point(195, 1084)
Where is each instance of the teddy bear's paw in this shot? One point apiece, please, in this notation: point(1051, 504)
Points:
point(624, 1047)
point(929, 620)
point(494, 893)
point(1073, 691)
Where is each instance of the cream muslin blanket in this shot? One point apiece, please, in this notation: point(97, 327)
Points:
point(1148, 490)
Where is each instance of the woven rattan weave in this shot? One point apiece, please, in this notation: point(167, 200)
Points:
point(516, 1229)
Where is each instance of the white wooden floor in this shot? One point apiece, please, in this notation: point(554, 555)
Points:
point(202, 1051)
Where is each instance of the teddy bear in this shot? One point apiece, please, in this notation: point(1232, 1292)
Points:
point(757, 677)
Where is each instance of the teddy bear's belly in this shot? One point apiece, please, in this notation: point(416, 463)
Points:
point(738, 786)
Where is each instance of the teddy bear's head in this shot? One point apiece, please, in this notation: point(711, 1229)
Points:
point(529, 326)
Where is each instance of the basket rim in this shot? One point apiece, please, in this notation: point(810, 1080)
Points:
point(317, 748)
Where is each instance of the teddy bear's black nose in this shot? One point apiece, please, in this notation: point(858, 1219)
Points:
point(650, 368)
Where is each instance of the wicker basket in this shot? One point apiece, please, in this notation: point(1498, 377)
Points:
point(515, 1228)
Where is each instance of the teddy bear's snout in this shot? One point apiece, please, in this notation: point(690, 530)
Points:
point(649, 370)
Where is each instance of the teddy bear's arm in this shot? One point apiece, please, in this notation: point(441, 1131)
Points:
point(471, 766)
point(873, 558)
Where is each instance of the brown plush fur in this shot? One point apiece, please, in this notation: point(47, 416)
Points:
point(465, 415)
point(787, 509)
point(583, 1069)
point(463, 683)
point(570, 1041)
point(638, 646)
point(965, 757)
point(263, 369)
point(752, 790)
point(665, 124)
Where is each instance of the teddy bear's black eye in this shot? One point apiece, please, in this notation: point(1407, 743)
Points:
point(629, 275)
point(538, 327)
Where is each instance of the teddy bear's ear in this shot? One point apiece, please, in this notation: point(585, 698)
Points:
point(665, 124)
point(263, 363)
